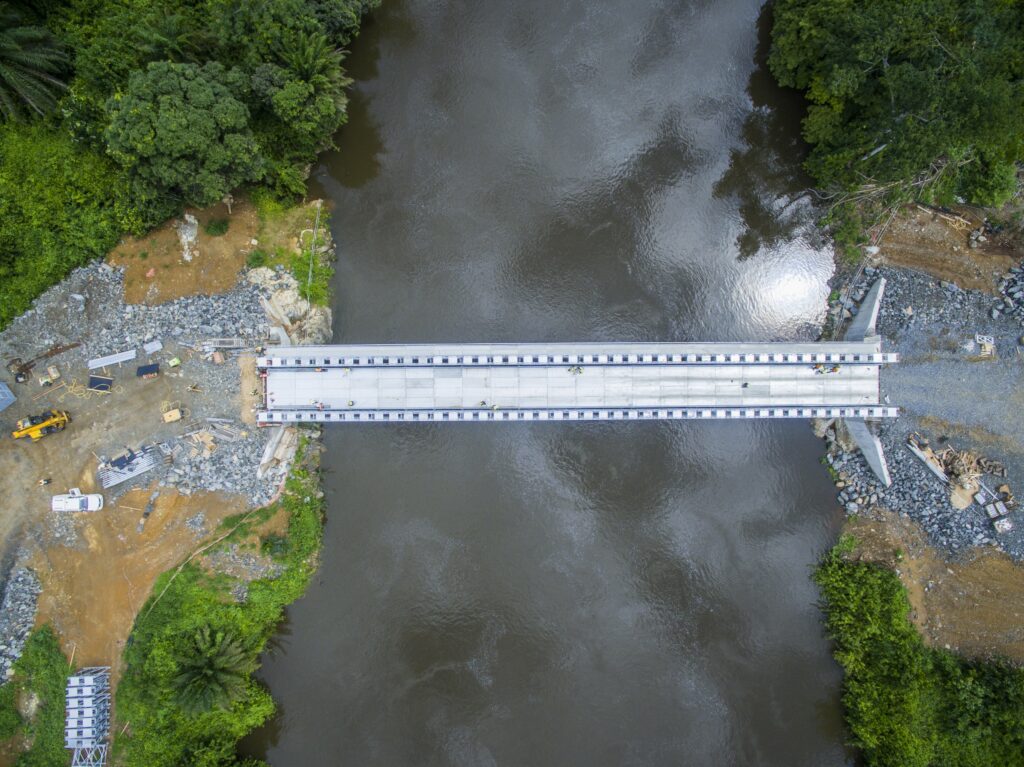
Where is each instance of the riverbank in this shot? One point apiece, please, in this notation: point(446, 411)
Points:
point(88, 575)
point(922, 594)
point(909, 705)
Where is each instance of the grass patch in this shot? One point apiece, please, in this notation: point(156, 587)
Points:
point(268, 205)
point(161, 733)
point(313, 273)
point(217, 227)
point(42, 671)
point(256, 259)
point(908, 705)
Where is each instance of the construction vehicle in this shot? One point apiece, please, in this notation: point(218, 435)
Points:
point(20, 370)
point(38, 426)
point(75, 500)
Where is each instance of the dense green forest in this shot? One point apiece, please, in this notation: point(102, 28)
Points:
point(115, 114)
point(908, 705)
point(907, 100)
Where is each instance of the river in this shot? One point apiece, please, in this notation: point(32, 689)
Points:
point(566, 594)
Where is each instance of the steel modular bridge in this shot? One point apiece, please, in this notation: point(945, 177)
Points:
point(515, 382)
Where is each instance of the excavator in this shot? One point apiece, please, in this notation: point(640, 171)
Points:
point(20, 369)
point(38, 426)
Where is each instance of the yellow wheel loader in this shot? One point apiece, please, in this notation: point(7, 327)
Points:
point(38, 426)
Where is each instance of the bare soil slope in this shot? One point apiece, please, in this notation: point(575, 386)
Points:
point(974, 605)
point(937, 244)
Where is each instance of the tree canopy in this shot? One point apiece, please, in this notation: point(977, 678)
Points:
point(181, 132)
point(925, 98)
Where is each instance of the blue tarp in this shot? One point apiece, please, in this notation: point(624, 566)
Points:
point(6, 396)
point(100, 383)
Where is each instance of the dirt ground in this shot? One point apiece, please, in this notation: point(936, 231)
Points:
point(935, 243)
point(977, 437)
point(974, 605)
point(155, 271)
point(91, 595)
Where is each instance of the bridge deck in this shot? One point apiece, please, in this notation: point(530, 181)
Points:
point(600, 380)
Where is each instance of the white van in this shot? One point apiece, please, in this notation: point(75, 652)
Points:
point(73, 500)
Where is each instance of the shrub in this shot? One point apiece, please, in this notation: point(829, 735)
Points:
point(217, 227)
point(256, 259)
point(42, 670)
point(61, 205)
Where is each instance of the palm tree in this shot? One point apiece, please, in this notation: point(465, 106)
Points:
point(168, 36)
point(310, 55)
point(30, 59)
point(213, 671)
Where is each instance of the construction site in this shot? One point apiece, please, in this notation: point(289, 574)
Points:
point(130, 433)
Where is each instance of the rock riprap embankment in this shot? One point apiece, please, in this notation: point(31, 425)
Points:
point(17, 614)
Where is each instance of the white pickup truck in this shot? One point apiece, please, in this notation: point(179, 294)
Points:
point(74, 500)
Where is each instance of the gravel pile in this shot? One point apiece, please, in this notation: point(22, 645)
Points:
point(1012, 289)
point(244, 567)
point(231, 468)
point(89, 307)
point(915, 492)
point(17, 614)
point(944, 389)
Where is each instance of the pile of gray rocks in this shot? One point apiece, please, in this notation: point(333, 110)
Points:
point(1012, 289)
point(915, 492)
point(231, 468)
point(89, 307)
point(17, 614)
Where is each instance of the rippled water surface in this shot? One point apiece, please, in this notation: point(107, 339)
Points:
point(591, 594)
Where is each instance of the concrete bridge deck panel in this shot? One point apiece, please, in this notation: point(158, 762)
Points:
point(516, 387)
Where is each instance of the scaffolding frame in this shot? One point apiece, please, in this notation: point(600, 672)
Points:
point(87, 716)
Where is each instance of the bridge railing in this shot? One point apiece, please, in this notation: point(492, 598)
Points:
point(307, 361)
point(269, 417)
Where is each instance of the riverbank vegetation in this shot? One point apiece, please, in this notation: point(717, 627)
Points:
point(187, 695)
point(906, 101)
point(32, 702)
point(908, 705)
point(115, 114)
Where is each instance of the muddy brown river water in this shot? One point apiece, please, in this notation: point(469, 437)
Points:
point(566, 594)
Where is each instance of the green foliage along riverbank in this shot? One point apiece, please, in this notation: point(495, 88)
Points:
point(908, 705)
point(40, 679)
point(115, 114)
point(194, 624)
point(907, 99)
